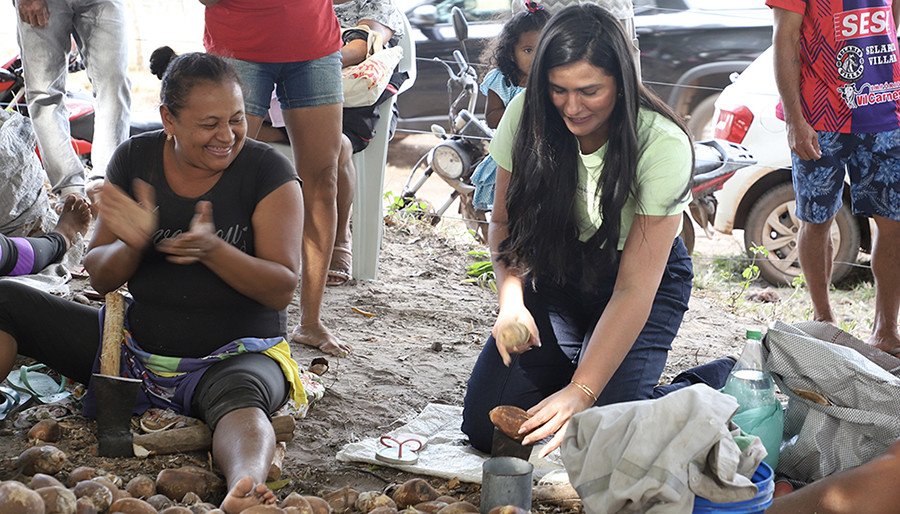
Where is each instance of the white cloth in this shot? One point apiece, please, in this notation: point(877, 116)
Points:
point(447, 453)
point(653, 456)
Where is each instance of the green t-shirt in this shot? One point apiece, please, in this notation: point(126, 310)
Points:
point(664, 168)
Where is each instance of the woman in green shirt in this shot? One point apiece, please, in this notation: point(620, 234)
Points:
point(593, 175)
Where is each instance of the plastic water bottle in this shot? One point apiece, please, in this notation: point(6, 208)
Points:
point(759, 412)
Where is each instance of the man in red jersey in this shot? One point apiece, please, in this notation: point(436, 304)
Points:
point(837, 69)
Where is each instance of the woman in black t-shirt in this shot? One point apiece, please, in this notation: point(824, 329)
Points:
point(204, 225)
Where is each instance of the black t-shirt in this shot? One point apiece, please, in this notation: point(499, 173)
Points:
point(187, 310)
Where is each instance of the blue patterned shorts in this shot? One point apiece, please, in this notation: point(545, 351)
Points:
point(873, 162)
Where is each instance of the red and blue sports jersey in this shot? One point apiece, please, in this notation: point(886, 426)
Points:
point(850, 65)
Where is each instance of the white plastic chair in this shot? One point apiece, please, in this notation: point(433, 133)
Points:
point(368, 209)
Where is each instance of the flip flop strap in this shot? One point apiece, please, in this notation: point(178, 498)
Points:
point(400, 444)
point(23, 377)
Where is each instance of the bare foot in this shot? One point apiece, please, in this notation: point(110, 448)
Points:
point(888, 344)
point(245, 495)
point(74, 218)
point(320, 337)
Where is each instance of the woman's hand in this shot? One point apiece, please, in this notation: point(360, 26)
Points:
point(552, 416)
point(506, 321)
point(132, 220)
point(195, 244)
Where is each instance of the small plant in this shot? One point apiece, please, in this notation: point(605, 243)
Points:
point(797, 285)
point(405, 211)
point(397, 204)
point(748, 275)
point(481, 272)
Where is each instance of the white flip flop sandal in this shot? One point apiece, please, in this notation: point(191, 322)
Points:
point(400, 449)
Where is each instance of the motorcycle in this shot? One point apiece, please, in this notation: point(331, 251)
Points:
point(715, 161)
point(460, 151)
point(80, 105)
point(456, 157)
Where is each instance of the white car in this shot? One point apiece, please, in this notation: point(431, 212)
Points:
point(760, 199)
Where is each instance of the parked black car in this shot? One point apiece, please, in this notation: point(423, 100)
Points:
point(689, 50)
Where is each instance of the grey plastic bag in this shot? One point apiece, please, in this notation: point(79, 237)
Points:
point(843, 409)
point(24, 205)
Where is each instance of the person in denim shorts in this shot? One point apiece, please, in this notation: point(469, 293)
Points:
point(293, 48)
point(838, 73)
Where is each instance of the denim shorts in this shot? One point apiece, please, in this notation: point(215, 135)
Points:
point(296, 84)
point(873, 162)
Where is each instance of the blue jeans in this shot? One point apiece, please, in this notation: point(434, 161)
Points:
point(99, 28)
point(566, 316)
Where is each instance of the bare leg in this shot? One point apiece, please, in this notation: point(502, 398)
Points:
point(885, 256)
point(315, 134)
point(346, 183)
point(243, 446)
point(816, 260)
point(867, 489)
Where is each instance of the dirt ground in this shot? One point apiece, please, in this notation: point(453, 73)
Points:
point(418, 347)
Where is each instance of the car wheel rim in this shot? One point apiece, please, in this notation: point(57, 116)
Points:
point(779, 237)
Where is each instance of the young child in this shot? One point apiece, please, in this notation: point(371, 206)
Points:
point(510, 55)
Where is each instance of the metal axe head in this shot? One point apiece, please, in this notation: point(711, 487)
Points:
point(115, 398)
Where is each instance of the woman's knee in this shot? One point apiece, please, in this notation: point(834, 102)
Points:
point(245, 381)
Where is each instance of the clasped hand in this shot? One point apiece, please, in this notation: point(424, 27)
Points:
point(134, 220)
point(195, 244)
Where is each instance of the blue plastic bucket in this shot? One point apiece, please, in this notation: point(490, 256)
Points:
point(756, 505)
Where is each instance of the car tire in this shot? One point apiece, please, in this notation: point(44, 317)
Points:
point(773, 224)
point(687, 234)
point(701, 124)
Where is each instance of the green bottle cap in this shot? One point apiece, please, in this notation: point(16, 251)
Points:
point(754, 334)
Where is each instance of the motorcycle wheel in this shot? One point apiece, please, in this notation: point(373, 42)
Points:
point(687, 233)
point(773, 224)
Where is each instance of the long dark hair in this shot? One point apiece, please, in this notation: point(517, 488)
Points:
point(501, 52)
point(543, 236)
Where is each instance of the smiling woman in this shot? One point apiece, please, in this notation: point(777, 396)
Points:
point(592, 179)
point(204, 225)
point(207, 134)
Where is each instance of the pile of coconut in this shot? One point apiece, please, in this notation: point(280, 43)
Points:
point(189, 490)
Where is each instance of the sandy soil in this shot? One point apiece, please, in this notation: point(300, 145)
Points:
point(427, 330)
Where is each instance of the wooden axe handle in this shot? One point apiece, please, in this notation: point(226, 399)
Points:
point(111, 344)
